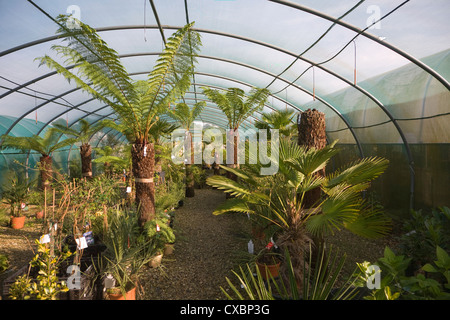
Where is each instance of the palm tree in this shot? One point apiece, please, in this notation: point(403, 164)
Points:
point(97, 69)
point(45, 146)
point(280, 198)
point(185, 116)
point(82, 133)
point(280, 120)
point(237, 108)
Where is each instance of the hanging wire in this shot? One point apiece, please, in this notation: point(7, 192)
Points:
point(354, 72)
point(145, 5)
point(339, 52)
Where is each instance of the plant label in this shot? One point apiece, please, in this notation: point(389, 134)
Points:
point(250, 247)
point(128, 189)
point(23, 205)
point(81, 243)
point(158, 229)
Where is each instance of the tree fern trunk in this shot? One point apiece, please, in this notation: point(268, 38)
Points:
point(143, 162)
point(46, 171)
point(311, 134)
point(86, 163)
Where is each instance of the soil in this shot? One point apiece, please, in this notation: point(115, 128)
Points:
point(207, 248)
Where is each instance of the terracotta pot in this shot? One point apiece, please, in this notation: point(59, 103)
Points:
point(40, 214)
point(17, 222)
point(272, 269)
point(130, 295)
point(156, 261)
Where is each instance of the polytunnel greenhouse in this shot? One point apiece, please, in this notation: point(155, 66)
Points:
point(146, 127)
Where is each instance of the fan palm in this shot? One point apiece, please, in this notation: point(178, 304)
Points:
point(97, 69)
point(279, 198)
point(82, 132)
point(45, 146)
point(185, 116)
point(237, 107)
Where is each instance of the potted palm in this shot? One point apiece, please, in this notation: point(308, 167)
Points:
point(127, 251)
point(16, 195)
point(281, 196)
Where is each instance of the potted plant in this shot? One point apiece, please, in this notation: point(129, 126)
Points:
point(16, 195)
point(160, 232)
point(127, 251)
point(268, 262)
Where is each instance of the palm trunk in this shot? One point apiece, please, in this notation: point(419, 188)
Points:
point(311, 134)
point(86, 164)
point(46, 171)
point(143, 166)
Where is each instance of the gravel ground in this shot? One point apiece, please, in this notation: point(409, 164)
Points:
point(206, 251)
point(18, 246)
point(204, 255)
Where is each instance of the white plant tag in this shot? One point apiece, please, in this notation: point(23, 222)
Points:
point(145, 151)
point(45, 238)
point(128, 189)
point(250, 247)
point(81, 243)
point(158, 229)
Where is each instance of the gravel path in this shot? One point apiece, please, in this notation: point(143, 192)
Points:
point(205, 252)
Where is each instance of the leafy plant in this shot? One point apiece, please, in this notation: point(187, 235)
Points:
point(279, 198)
point(395, 284)
point(127, 250)
point(4, 263)
point(320, 278)
point(423, 231)
point(20, 289)
point(47, 285)
point(16, 193)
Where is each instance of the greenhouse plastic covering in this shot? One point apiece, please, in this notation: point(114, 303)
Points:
point(379, 70)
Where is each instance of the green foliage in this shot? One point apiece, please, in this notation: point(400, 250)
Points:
point(279, 119)
point(82, 131)
point(283, 193)
point(46, 285)
point(185, 115)
point(159, 231)
point(235, 105)
point(44, 145)
point(319, 281)
point(4, 263)
point(395, 284)
point(16, 193)
point(97, 69)
point(128, 250)
point(20, 289)
point(167, 198)
point(423, 231)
